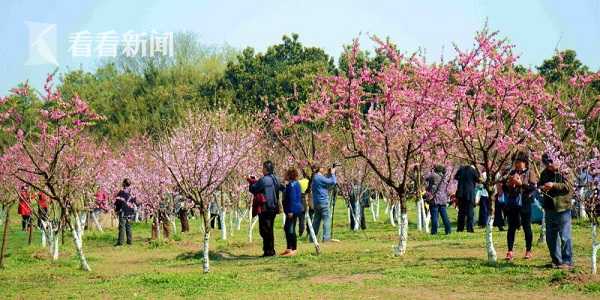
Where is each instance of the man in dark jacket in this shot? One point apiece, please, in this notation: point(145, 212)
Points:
point(467, 177)
point(557, 204)
point(125, 209)
point(270, 187)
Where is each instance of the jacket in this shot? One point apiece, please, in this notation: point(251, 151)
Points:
point(24, 204)
point(525, 190)
point(558, 198)
point(270, 187)
point(320, 190)
point(436, 190)
point(467, 177)
point(292, 200)
point(125, 204)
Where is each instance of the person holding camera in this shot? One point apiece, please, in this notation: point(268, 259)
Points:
point(518, 187)
point(556, 196)
point(320, 196)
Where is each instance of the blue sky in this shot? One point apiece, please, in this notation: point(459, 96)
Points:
point(537, 27)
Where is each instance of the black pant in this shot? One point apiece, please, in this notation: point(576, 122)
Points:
point(499, 215)
point(301, 223)
point(517, 217)
point(25, 222)
point(484, 211)
point(265, 227)
point(124, 229)
point(465, 211)
point(290, 232)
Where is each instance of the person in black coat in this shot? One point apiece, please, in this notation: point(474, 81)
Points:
point(125, 208)
point(270, 186)
point(467, 177)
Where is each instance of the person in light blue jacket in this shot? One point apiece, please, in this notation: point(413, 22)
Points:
point(320, 196)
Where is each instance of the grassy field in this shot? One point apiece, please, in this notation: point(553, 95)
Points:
point(361, 266)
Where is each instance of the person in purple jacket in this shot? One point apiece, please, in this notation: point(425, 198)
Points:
point(293, 208)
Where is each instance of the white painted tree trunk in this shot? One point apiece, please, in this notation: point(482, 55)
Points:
point(222, 216)
point(426, 217)
point(78, 240)
point(371, 207)
point(311, 232)
point(81, 223)
point(393, 215)
point(173, 224)
point(205, 245)
point(44, 240)
point(96, 221)
point(251, 228)
point(205, 254)
point(595, 248)
point(357, 216)
point(231, 227)
point(403, 234)
point(377, 207)
point(489, 242)
point(349, 218)
point(419, 216)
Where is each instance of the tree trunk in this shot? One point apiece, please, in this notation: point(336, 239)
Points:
point(5, 236)
point(205, 249)
point(595, 248)
point(251, 228)
point(78, 240)
point(311, 232)
point(96, 221)
point(155, 234)
point(222, 215)
point(402, 232)
point(419, 216)
point(30, 232)
point(55, 245)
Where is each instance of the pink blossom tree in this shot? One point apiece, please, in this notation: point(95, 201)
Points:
point(53, 156)
point(199, 156)
point(496, 110)
point(390, 126)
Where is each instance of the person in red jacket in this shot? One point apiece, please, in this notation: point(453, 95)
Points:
point(43, 200)
point(24, 208)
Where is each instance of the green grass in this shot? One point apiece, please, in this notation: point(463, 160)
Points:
point(360, 266)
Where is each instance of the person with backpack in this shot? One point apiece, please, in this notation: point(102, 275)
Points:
point(293, 209)
point(437, 196)
point(125, 205)
point(518, 187)
point(270, 187)
point(557, 204)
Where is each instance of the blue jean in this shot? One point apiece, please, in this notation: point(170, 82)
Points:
point(322, 214)
point(558, 226)
point(434, 209)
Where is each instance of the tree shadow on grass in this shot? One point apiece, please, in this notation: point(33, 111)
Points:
point(214, 256)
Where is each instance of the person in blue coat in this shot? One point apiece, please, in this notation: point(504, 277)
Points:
point(293, 209)
point(320, 196)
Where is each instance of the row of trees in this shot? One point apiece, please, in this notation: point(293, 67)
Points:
point(386, 119)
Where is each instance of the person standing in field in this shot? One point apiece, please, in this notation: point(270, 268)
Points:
point(437, 195)
point(557, 205)
point(320, 197)
point(43, 201)
point(467, 177)
point(305, 204)
point(518, 187)
point(125, 208)
point(24, 208)
point(270, 187)
point(293, 208)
